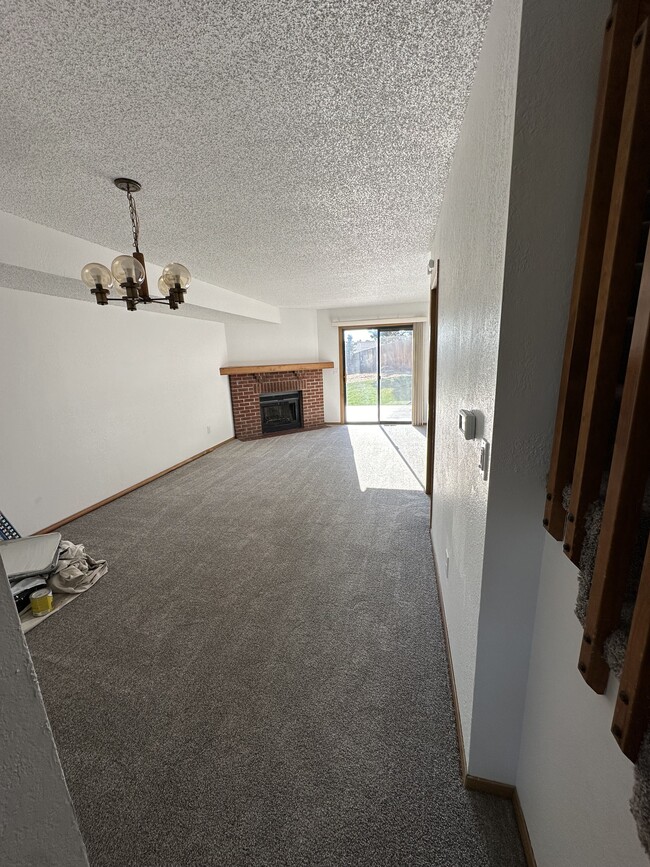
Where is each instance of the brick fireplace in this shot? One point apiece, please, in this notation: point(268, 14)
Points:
point(249, 382)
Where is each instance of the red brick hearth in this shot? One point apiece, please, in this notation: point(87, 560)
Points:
point(249, 382)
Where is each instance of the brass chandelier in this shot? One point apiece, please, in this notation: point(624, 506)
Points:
point(128, 276)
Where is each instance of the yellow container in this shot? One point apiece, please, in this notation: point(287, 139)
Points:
point(42, 602)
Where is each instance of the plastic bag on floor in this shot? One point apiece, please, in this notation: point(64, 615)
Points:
point(76, 571)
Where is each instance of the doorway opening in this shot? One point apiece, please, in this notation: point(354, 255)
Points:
point(377, 373)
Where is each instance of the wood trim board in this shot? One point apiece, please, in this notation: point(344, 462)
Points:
point(526, 843)
point(433, 363)
point(141, 484)
point(244, 369)
point(510, 793)
point(341, 377)
point(490, 787)
point(621, 517)
point(450, 669)
point(631, 712)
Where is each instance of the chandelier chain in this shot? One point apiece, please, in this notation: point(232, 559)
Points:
point(135, 222)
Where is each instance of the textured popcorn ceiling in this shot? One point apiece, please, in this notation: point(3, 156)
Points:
point(293, 151)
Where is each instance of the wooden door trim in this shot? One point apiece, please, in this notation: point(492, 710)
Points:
point(341, 378)
point(433, 353)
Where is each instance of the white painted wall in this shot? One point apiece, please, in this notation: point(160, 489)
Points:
point(38, 824)
point(328, 340)
point(527, 716)
point(95, 400)
point(328, 344)
point(470, 241)
point(293, 338)
point(556, 93)
point(573, 781)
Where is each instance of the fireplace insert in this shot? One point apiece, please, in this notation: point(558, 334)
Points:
point(281, 411)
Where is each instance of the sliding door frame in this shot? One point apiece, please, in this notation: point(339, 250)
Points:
point(398, 326)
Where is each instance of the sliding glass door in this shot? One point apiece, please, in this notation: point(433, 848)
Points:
point(395, 374)
point(361, 374)
point(377, 374)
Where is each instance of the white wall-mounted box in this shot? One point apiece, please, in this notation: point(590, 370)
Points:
point(467, 424)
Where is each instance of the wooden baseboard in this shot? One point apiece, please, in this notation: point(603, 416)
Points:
point(523, 830)
point(141, 484)
point(450, 669)
point(490, 787)
point(502, 790)
point(480, 784)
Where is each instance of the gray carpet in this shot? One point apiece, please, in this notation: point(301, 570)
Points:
point(260, 679)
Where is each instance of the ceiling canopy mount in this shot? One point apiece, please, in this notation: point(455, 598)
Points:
point(127, 185)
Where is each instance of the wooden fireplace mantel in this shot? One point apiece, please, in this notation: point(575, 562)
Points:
point(243, 369)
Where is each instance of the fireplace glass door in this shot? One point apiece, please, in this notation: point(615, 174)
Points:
point(378, 374)
point(280, 411)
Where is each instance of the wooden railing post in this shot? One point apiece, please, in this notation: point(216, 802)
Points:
point(632, 710)
point(625, 490)
point(615, 296)
point(617, 46)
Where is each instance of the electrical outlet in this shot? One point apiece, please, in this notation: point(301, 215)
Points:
point(446, 564)
point(209, 429)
